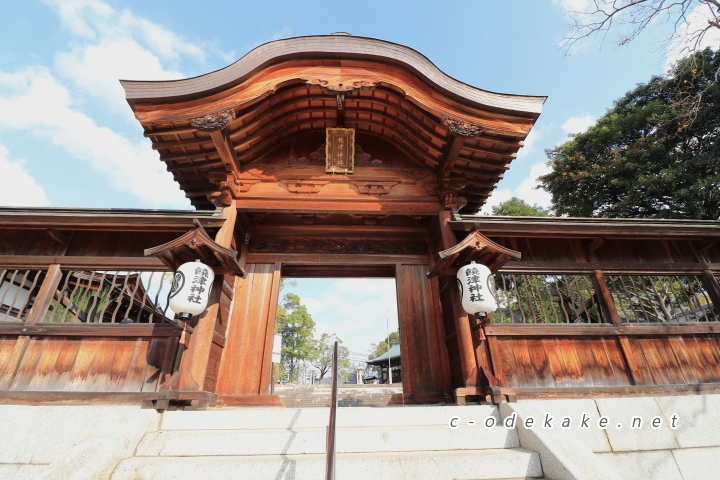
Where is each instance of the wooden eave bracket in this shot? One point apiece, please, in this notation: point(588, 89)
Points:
point(475, 247)
point(197, 244)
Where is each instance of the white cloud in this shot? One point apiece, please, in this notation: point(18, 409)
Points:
point(355, 309)
point(113, 45)
point(574, 125)
point(98, 68)
point(531, 143)
point(527, 190)
point(33, 99)
point(682, 42)
point(17, 186)
point(496, 198)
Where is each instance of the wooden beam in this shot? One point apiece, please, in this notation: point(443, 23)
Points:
point(608, 267)
point(335, 259)
point(224, 236)
point(45, 295)
point(81, 262)
point(587, 330)
point(607, 304)
point(225, 149)
point(84, 330)
point(711, 287)
point(450, 156)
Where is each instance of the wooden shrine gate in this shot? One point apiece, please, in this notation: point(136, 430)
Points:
point(341, 155)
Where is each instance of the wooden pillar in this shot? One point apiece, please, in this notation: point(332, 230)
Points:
point(194, 363)
point(466, 349)
point(245, 368)
point(195, 359)
point(426, 374)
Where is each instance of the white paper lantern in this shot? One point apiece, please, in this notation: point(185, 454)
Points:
point(476, 288)
point(191, 288)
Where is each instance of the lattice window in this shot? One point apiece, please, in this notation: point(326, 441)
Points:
point(111, 297)
point(661, 299)
point(546, 299)
point(18, 289)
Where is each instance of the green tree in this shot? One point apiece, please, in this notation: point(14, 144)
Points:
point(323, 353)
point(377, 349)
point(641, 159)
point(516, 207)
point(296, 326)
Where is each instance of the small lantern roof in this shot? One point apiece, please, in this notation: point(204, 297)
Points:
point(475, 247)
point(197, 244)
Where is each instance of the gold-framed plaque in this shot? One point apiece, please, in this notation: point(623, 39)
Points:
point(340, 150)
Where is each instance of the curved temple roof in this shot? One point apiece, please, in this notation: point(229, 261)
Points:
point(291, 87)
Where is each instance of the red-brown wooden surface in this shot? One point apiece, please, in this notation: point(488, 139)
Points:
point(424, 357)
point(247, 356)
point(87, 364)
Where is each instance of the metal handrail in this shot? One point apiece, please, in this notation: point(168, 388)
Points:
point(330, 458)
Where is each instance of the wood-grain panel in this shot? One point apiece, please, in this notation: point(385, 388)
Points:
point(92, 364)
point(425, 359)
point(246, 354)
point(7, 346)
point(559, 362)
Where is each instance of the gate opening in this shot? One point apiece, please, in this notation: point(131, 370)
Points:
point(360, 312)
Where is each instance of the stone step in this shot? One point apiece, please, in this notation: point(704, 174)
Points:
point(499, 464)
point(298, 441)
point(243, 418)
point(350, 396)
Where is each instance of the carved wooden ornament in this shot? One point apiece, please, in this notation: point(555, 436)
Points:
point(340, 150)
point(213, 122)
point(461, 127)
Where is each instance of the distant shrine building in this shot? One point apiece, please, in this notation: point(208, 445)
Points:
point(344, 156)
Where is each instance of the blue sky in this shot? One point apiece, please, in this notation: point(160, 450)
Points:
point(68, 138)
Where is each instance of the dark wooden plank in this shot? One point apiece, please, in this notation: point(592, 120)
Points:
point(28, 365)
point(335, 259)
point(520, 266)
point(78, 377)
point(65, 362)
point(155, 356)
point(121, 363)
point(504, 361)
point(45, 374)
point(135, 373)
point(99, 371)
point(97, 330)
point(586, 330)
point(593, 373)
point(627, 365)
point(540, 362)
point(686, 360)
point(97, 398)
point(7, 346)
point(614, 391)
point(82, 262)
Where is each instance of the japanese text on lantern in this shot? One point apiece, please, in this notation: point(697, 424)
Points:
point(473, 282)
point(198, 285)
